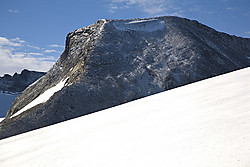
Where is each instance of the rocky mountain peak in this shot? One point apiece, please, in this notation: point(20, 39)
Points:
point(115, 61)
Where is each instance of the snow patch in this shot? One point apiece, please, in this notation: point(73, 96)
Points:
point(140, 25)
point(43, 97)
point(140, 21)
point(1, 119)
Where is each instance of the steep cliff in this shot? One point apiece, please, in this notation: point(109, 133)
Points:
point(115, 61)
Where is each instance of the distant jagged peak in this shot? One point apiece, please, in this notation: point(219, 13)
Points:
point(23, 72)
point(18, 82)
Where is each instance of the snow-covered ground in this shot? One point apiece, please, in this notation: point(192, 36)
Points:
point(201, 124)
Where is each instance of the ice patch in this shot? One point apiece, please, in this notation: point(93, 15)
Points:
point(43, 97)
point(140, 21)
point(140, 25)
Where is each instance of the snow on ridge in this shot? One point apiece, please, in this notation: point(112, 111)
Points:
point(140, 25)
point(43, 97)
point(140, 21)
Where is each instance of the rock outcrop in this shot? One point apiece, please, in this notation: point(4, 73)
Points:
point(116, 61)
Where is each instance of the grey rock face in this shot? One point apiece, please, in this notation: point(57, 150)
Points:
point(116, 61)
point(18, 82)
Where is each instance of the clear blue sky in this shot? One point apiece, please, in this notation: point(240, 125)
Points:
point(32, 32)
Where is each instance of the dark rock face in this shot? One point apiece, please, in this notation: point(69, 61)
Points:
point(116, 61)
point(18, 82)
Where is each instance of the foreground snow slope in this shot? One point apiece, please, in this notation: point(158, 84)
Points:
point(201, 124)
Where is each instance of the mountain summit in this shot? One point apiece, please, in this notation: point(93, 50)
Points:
point(115, 61)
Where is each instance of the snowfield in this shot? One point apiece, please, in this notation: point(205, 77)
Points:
point(201, 124)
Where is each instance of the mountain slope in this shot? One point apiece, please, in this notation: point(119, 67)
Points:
point(201, 124)
point(115, 61)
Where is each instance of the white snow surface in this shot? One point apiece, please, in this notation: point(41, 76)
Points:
point(140, 21)
point(148, 25)
point(1, 119)
point(43, 97)
point(202, 124)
